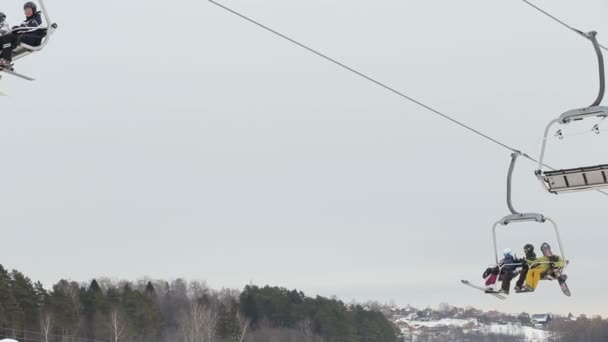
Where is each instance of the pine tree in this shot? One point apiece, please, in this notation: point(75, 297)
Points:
point(11, 315)
point(27, 298)
point(65, 307)
point(150, 291)
point(95, 309)
point(229, 326)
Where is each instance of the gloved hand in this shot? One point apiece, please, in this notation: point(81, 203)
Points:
point(487, 273)
point(554, 258)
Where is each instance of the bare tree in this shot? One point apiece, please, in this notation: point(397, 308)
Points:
point(199, 324)
point(191, 324)
point(243, 323)
point(46, 324)
point(209, 323)
point(117, 325)
point(198, 289)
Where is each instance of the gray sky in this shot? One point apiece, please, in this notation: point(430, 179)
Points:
point(172, 139)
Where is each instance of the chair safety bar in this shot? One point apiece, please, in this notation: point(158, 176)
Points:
point(528, 217)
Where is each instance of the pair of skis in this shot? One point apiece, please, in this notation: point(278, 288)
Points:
point(561, 279)
point(486, 290)
point(16, 74)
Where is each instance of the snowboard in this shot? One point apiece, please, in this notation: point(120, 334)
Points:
point(561, 278)
point(483, 289)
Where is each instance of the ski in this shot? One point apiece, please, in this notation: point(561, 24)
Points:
point(493, 293)
point(11, 72)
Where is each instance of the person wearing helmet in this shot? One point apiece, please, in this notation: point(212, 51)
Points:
point(4, 28)
point(526, 263)
point(29, 32)
point(542, 266)
point(505, 270)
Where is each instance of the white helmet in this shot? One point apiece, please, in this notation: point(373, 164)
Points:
point(507, 252)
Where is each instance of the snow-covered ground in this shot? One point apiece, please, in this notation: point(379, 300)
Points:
point(529, 334)
point(446, 322)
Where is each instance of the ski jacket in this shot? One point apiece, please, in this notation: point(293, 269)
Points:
point(530, 259)
point(509, 264)
point(30, 23)
point(545, 264)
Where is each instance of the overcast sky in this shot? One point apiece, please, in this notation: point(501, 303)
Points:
point(173, 139)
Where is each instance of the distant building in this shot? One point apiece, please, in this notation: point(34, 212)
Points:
point(541, 320)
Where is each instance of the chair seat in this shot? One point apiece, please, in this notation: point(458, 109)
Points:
point(24, 49)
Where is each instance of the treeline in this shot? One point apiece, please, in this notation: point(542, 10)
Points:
point(272, 307)
point(161, 311)
point(582, 329)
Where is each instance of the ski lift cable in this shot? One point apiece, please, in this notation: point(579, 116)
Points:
point(383, 85)
point(561, 22)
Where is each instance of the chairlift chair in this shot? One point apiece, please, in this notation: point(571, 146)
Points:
point(24, 50)
point(516, 217)
point(578, 178)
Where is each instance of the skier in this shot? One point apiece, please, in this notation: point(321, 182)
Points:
point(543, 266)
point(4, 28)
point(505, 271)
point(28, 32)
point(526, 263)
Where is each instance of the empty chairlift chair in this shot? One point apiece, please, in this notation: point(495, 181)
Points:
point(578, 178)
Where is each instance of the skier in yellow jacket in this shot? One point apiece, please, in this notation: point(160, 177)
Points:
point(542, 266)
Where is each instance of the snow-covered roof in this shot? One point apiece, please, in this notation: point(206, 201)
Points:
point(541, 318)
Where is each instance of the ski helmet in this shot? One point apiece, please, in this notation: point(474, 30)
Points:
point(528, 249)
point(545, 247)
point(2, 17)
point(507, 252)
point(30, 5)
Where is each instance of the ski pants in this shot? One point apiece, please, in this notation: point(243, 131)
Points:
point(505, 276)
point(534, 276)
point(10, 41)
point(506, 281)
point(522, 275)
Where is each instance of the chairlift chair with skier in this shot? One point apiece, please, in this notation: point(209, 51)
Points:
point(23, 49)
point(516, 217)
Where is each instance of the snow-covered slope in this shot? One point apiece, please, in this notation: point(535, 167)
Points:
point(529, 334)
